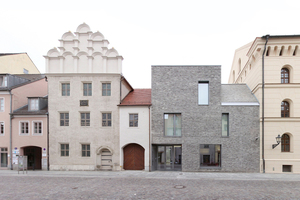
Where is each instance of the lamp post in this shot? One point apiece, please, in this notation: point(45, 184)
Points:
point(278, 140)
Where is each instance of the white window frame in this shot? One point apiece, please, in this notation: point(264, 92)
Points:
point(4, 81)
point(2, 124)
point(2, 104)
point(20, 127)
point(203, 93)
point(33, 127)
point(35, 105)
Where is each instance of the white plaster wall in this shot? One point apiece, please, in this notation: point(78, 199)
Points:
point(138, 135)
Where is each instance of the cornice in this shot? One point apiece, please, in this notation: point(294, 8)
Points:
point(82, 74)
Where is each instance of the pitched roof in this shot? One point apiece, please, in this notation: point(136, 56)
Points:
point(137, 97)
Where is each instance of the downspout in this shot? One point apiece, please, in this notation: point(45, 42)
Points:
point(10, 131)
point(263, 105)
point(149, 142)
point(48, 164)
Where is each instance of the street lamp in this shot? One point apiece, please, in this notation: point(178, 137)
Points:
point(278, 140)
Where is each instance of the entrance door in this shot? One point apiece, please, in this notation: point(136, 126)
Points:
point(34, 157)
point(106, 160)
point(134, 157)
point(3, 157)
point(167, 157)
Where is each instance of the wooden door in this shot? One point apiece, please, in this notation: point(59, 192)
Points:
point(134, 157)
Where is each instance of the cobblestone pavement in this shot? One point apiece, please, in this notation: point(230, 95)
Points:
point(146, 185)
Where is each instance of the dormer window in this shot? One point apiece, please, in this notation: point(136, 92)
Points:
point(34, 104)
point(3, 81)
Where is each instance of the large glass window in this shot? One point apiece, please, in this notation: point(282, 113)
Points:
point(167, 157)
point(210, 155)
point(65, 89)
point(285, 75)
point(203, 93)
point(285, 109)
point(3, 81)
point(225, 127)
point(106, 89)
point(285, 143)
point(172, 124)
point(87, 89)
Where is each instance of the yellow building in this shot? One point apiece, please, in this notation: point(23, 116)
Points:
point(276, 59)
point(17, 63)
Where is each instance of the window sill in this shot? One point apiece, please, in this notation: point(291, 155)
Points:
point(172, 136)
point(24, 134)
point(37, 134)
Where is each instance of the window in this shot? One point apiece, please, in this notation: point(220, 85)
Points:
point(64, 119)
point(87, 89)
point(225, 128)
point(1, 128)
point(133, 120)
point(203, 93)
point(285, 143)
point(285, 74)
point(37, 127)
point(65, 89)
point(3, 81)
point(64, 149)
point(85, 119)
point(286, 168)
point(285, 109)
point(106, 89)
point(24, 128)
point(3, 157)
point(85, 150)
point(106, 119)
point(25, 71)
point(172, 124)
point(1, 104)
point(34, 104)
point(210, 155)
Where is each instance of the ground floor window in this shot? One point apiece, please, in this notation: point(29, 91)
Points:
point(3, 156)
point(286, 168)
point(167, 157)
point(210, 155)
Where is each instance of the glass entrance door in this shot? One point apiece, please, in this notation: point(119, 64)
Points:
point(168, 158)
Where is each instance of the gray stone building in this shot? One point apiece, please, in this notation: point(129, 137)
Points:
point(199, 124)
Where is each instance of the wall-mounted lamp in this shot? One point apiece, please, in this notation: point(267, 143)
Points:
point(278, 140)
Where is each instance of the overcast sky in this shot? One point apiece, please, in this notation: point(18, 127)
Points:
point(145, 33)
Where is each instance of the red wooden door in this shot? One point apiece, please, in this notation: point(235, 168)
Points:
point(134, 157)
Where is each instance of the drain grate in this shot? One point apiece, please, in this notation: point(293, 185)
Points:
point(179, 186)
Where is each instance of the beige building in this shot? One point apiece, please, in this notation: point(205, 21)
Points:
point(85, 88)
point(279, 58)
point(17, 63)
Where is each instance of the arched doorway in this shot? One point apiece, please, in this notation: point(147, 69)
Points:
point(134, 157)
point(34, 157)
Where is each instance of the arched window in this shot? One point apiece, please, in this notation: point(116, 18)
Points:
point(285, 109)
point(285, 143)
point(285, 75)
